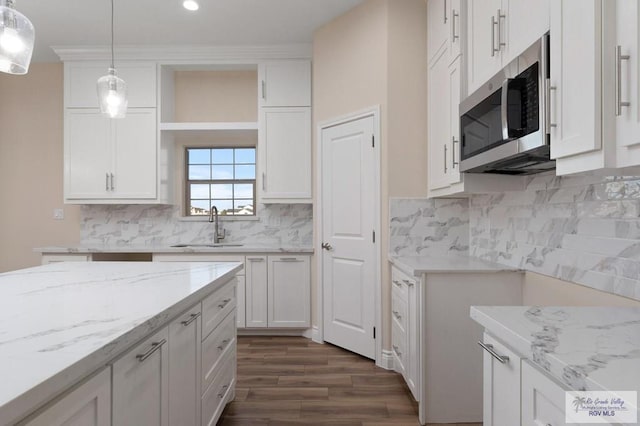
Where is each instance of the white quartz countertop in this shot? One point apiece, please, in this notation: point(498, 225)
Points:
point(586, 348)
point(244, 248)
point(61, 322)
point(417, 265)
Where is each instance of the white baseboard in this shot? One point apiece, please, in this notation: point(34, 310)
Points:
point(308, 333)
point(303, 332)
point(315, 335)
point(387, 360)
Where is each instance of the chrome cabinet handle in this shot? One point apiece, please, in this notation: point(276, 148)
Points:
point(445, 158)
point(288, 259)
point(551, 89)
point(619, 102)
point(397, 283)
point(264, 182)
point(397, 315)
point(407, 282)
point(255, 259)
point(454, 163)
point(191, 319)
point(112, 182)
point(224, 303)
point(455, 15)
point(489, 348)
point(494, 24)
point(224, 344)
point(396, 350)
point(106, 182)
point(327, 246)
point(221, 394)
point(445, 11)
point(154, 347)
point(501, 44)
point(264, 90)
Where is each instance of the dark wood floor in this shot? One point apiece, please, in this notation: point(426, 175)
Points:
point(293, 381)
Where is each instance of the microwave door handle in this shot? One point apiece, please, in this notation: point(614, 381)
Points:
point(503, 109)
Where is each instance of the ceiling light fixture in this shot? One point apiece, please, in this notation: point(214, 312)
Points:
point(16, 39)
point(112, 90)
point(191, 5)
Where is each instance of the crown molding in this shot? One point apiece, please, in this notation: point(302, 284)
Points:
point(186, 54)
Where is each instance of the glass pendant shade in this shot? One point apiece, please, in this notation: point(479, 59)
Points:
point(17, 36)
point(112, 95)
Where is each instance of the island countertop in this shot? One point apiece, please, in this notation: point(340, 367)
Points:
point(224, 248)
point(63, 321)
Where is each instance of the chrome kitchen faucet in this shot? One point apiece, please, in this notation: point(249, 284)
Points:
point(213, 218)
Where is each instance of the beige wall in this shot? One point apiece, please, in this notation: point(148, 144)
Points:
point(31, 167)
point(373, 55)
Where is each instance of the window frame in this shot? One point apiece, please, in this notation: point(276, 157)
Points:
point(188, 182)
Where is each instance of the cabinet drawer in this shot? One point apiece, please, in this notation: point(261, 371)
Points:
point(401, 282)
point(542, 398)
point(215, 346)
point(398, 347)
point(221, 389)
point(217, 306)
point(399, 311)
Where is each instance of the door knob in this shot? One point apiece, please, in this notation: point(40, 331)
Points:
point(327, 246)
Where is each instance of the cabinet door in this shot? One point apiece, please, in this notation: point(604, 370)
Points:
point(483, 55)
point(454, 80)
point(438, 18)
point(628, 82)
point(87, 154)
point(525, 22)
point(184, 368)
point(455, 28)
point(87, 405)
point(439, 116)
point(501, 405)
point(576, 95)
point(285, 154)
point(135, 150)
point(542, 399)
point(289, 283)
point(285, 83)
point(140, 384)
point(240, 301)
point(256, 291)
point(413, 338)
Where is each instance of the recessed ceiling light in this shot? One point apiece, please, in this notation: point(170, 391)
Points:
point(190, 5)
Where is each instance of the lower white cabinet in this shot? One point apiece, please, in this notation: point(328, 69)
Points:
point(184, 368)
point(543, 398)
point(141, 383)
point(89, 404)
point(256, 292)
point(501, 384)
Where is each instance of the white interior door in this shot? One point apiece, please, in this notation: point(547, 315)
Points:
point(348, 222)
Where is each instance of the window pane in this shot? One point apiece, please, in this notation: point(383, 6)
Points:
point(199, 207)
point(243, 207)
point(243, 191)
point(222, 172)
point(246, 156)
point(222, 156)
point(199, 156)
point(246, 172)
point(221, 191)
point(200, 191)
point(224, 206)
point(199, 172)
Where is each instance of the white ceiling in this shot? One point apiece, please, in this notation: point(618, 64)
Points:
point(166, 22)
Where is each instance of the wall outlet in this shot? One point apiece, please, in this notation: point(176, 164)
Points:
point(58, 214)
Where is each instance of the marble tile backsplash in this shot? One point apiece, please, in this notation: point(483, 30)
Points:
point(584, 229)
point(420, 226)
point(143, 225)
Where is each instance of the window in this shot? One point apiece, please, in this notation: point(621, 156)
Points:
point(221, 177)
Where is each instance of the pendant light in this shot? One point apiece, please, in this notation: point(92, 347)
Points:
point(112, 90)
point(16, 39)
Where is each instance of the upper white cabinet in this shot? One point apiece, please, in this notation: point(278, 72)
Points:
point(284, 136)
point(444, 24)
point(284, 83)
point(81, 77)
point(498, 31)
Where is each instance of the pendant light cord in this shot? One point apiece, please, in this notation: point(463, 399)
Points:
point(112, 56)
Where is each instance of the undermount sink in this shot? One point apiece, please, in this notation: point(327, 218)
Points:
point(207, 245)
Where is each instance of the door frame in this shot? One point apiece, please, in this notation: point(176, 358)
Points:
point(318, 329)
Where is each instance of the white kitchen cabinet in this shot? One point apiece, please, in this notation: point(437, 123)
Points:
point(89, 404)
point(288, 294)
point(543, 399)
point(439, 118)
point(80, 79)
point(141, 385)
point(184, 368)
point(443, 22)
point(284, 83)
point(498, 31)
point(284, 155)
point(110, 160)
point(501, 384)
point(256, 292)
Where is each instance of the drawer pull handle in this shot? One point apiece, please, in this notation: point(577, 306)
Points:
point(224, 303)
point(397, 315)
point(225, 342)
point(255, 259)
point(154, 347)
point(288, 259)
point(191, 319)
point(397, 283)
point(221, 394)
point(396, 350)
point(409, 283)
point(489, 348)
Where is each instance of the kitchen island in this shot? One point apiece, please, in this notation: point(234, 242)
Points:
point(66, 322)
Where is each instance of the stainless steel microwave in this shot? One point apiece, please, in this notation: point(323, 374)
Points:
point(504, 124)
